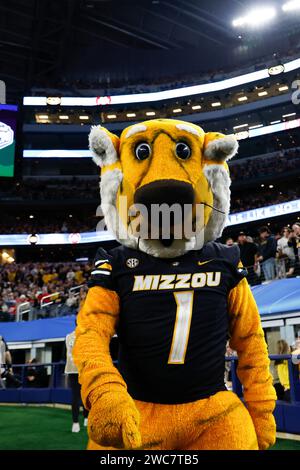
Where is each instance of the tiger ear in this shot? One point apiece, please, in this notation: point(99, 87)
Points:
point(219, 147)
point(104, 146)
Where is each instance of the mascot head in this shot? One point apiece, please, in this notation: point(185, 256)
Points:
point(169, 164)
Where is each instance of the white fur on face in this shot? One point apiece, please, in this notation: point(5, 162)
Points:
point(219, 182)
point(188, 128)
point(135, 129)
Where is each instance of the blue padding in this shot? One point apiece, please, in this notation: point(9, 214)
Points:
point(279, 416)
point(291, 418)
point(281, 296)
point(35, 395)
point(10, 395)
point(38, 329)
point(61, 395)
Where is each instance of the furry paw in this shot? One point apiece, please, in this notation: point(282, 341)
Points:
point(114, 422)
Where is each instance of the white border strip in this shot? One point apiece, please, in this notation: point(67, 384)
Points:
point(162, 95)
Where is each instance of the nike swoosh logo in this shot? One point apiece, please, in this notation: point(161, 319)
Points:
point(204, 262)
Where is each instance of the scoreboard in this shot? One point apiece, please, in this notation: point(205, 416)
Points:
point(8, 125)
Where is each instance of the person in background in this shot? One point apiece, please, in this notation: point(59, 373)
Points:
point(36, 375)
point(248, 254)
point(283, 369)
point(228, 364)
point(72, 372)
point(267, 248)
point(296, 238)
point(6, 371)
point(285, 254)
point(229, 241)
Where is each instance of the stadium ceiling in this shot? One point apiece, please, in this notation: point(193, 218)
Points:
point(45, 41)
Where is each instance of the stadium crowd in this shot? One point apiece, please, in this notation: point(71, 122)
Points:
point(270, 256)
point(279, 163)
point(34, 282)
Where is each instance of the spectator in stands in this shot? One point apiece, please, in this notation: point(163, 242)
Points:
point(285, 254)
point(296, 236)
point(267, 248)
point(248, 254)
point(283, 368)
point(229, 241)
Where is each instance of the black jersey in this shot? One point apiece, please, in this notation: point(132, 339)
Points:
point(174, 321)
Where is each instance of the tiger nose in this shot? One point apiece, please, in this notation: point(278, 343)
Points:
point(165, 192)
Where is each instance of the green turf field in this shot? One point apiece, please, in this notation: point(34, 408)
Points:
point(47, 428)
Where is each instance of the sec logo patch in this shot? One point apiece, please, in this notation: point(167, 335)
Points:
point(132, 262)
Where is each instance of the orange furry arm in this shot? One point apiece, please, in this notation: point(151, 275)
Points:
point(96, 324)
point(247, 338)
point(114, 419)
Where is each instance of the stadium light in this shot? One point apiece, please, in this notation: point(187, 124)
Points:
point(177, 110)
point(33, 239)
point(131, 115)
point(84, 118)
point(262, 93)
point(111, 116)
point(217, 103)
point(63, 117)
point(241, 125)
point(283, 88)
point(256, 17)
point(275, 122)
point(197, 106)
point(242, 98)
point(256, 126)
point(288, 115)
point(292, 5)
point(150, 113)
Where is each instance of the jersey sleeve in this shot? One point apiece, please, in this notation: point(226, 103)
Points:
point(102, 271)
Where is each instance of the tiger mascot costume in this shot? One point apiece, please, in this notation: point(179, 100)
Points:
point(173, 302)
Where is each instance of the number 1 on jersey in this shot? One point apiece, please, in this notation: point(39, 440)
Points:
point(184, 301)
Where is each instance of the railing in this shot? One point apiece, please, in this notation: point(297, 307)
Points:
point(48, 300)
point(22, 309)
point(76, 290)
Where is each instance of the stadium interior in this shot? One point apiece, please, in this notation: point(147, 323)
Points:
point(69, 65)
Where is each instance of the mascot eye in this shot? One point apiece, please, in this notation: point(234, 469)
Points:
point(142, 151)
point(183, 151)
